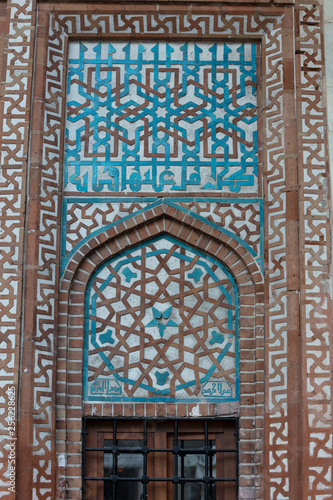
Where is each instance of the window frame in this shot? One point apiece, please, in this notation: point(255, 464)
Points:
point(163, 436)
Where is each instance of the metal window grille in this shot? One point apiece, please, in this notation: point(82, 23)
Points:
point(193, 463)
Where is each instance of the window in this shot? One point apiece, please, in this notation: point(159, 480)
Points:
point(160, 459)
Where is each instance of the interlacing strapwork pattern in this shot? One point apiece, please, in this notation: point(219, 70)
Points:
point(161, 117)
point(315, 241)
point(14, 122)
point(15, 115)
point(162, 327)
point(234, 139)
point(276, 276)
point(47, 283)
point(197, 25)
point(242, 218)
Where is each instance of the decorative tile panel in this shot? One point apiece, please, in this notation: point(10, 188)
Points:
point(86, 217)
point(126, 23)
point(191, 166)
point(162, 323)
point(17, 33)
point(130, 25)
point(161, 117)
point(315, 242)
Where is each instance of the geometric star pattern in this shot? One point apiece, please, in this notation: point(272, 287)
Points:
point(162, 323)
point(161, 117)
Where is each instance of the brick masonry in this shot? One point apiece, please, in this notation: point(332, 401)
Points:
point(53, 240)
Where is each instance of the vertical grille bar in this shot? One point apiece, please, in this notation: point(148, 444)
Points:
point(175, 463)
point(84, 457)
point(237, 455)
point(145, 459)
point(114, 460)
point(206, 459)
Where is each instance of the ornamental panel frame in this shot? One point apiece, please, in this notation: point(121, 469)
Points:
point(247, 275)
point(266, 24)
point(185, 324)
point(161, 117)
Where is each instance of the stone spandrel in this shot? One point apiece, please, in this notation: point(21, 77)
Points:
point(161, 117)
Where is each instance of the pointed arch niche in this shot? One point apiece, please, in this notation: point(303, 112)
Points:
point(155, 254)
point(161, 325)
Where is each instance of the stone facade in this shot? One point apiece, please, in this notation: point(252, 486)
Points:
point(165, 238)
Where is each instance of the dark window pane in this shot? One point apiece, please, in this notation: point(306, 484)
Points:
point(193, 465)
point(128, 465)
